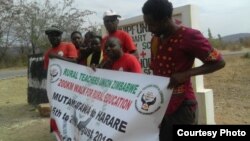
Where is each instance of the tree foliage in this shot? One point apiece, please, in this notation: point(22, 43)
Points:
point(210, 36)
point(23, 23)
point(36, 17)
point(7, 19)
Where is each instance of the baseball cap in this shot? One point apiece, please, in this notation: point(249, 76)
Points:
point(110, 13)
point(53, 28)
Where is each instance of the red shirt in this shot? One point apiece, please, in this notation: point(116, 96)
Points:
point(177, 54)
point(127, 63)
point(64, 49)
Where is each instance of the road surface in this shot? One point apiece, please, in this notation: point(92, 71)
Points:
point(241, 52)
point(8, 74)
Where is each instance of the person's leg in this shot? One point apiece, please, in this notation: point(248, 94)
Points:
point(166, 130)
point(186, 114)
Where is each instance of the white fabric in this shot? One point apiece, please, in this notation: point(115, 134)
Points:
point(110, 13)
point(105, 105)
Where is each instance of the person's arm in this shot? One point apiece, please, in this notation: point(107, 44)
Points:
point(135, 53)
point(199, 47)
point(135, 65)
point(181, 77)
point(130, 46)
point(53, 55)
point(106, 63)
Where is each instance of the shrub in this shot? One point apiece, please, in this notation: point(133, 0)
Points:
point(246, 55)
point(14, 61)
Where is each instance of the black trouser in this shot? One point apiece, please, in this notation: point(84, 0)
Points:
point(185, 114)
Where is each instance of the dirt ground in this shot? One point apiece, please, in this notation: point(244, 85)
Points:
point(22, 122)
point(231, 88)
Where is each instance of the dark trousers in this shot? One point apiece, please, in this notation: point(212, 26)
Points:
point(185, 114)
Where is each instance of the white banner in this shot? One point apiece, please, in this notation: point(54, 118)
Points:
point(105, 105)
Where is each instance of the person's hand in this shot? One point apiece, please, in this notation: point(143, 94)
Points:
point(106, 64)
point(177, 79)
point(85, 48)
point(93, 66)
point(53, 55)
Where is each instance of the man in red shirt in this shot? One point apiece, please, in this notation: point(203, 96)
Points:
point(173, 51)
point(110, 19)
point(62, 50)
point(59, 49)
point(121, 61)
point(83, 49)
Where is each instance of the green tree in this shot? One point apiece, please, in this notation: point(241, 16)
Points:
point(210, 37)
point(212, 41)
point(216, 43)
point(23, 24)
point(221, 44)
point(219, 37)
point(7, 19)
point(36, 16)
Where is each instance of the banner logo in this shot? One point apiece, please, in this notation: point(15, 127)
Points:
point(55, 72)
point(149, 100)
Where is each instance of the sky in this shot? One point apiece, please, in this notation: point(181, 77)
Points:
point(224, 17)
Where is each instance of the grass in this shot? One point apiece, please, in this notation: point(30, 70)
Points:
point(20, 121)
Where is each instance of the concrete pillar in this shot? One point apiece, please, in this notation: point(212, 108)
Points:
point(206, 106)
point(204, 98)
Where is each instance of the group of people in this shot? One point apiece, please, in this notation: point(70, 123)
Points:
point(173, 51)
point(115, 51)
